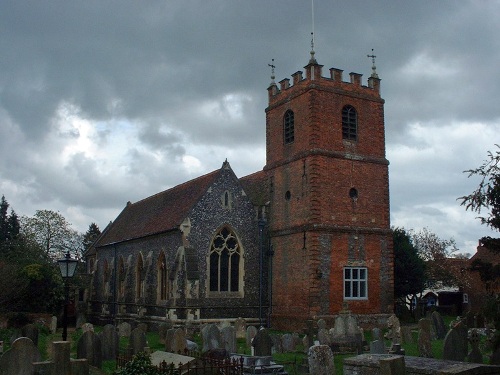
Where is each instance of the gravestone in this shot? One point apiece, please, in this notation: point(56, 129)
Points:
point(240, 326)
point(30, 331)
point(439, 326)
point(109, 342)
point(53, 324)
point(81, 319)
point(346, 335)
point(288, 343)
point(377, 347)
point(251, 332)
point(320, 360)
point(455, 347)
point(18, 360)
point(137, 341)
point(179, 342)
point(323, 334)
point(61, 363)
point(211, 338)
point(262, 343)
point(169, 339)
point(162, 332)
point(406, 335)
point(228, 335)
point(124, 329)
point(394, 333)
point(277, 343)
point(475, 355)
point(376, 334)
point(86, 327)
point(424, 338)
point(89, 347)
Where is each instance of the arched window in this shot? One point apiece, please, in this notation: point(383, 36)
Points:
point(288, 127)
point(106, 274)
point(349, 123)
point(121, 278)
point(225, 262)
point(162, 278)
point(139, 277)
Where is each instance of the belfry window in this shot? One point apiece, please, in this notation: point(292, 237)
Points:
point(225, 261)
point(349, 123)
point(288, 127)
point(355, 283)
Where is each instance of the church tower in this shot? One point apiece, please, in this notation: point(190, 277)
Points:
point(328, 179)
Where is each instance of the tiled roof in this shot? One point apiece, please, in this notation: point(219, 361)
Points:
point(486, 255)
point(255, 186)
point(159, 213)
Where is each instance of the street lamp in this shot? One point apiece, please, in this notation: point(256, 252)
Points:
point(67, 267)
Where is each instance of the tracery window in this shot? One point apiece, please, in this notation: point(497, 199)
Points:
point(288, 127)
point(349, 123)
point(162, 278)
point(225, 262)
point(139, 277)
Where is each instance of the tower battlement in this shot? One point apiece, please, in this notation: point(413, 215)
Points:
point(313, 77)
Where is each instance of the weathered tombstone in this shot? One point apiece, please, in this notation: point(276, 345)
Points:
point(323, 334)
point(394, 333)
point(109, 342)
point(406, 335)
point(453, 347)
point(439, 326)
point(251, 332)
point(277, 343)
point(288, 343)
point(475, 354)
point(137, 342)
point(162, 332)
point(53, 324)
point(240, 326)
point(296, 341)
point(18, 360)
point(30, 331)
point(169, 339)
point(345, 334)
point(124, 329)
point(211, 338)
point(424, 338)
point(86, 327)
point(376, 334)
point(377, 347)
point(89, 347)
point(306, 343)
point(228, 335)
point(320, 360)
point(262, 343)
point(392, 366)
point(179, 343)
point(81, 319)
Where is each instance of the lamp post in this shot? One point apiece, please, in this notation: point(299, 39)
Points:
point(67, 267)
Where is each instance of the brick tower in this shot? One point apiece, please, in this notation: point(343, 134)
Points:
point(328, 177)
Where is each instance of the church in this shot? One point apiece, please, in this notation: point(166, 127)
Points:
point(304, 238)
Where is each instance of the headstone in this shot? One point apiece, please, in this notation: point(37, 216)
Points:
point(53, 324)
point(124, 329)
point(393, 366)
point(394, 333)
point(288, 343)
point(377, 347)
point(240, 326)
point(406, 335)
point(81, 319)
point(323, 334)
point(306, 343)
point(345, 334)
point(18, 360)
point(211, 338)
point(424, 338)
point(109, 342)
point(89, 347)
point(475, 354)
point(169, 339)
point(277, 343)
point(376, 334)
point(228, 335)
point(296, 341)
point(30, 331)
point(86, 327)
point(262, 343)
point(162, 332)
point(439, 326)
point(137, 342)
point(179, 343)
point(320, 360)
point(251, 332)
point(453, 347)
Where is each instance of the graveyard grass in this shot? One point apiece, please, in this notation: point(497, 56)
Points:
point(291, 361)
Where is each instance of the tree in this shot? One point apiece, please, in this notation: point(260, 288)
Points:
point(443, 266)
point(409, 269)
point(486, 196)
point(52, 232)
point(90, 236)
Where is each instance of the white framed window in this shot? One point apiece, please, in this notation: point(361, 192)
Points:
point(355, 283)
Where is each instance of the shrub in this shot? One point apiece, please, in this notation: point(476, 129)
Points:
point(139, 365)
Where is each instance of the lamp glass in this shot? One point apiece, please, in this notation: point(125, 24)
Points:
point(67, 266)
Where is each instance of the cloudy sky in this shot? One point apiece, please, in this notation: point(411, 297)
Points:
point(104, 102)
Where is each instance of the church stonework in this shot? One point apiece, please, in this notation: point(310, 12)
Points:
point(293, 242)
